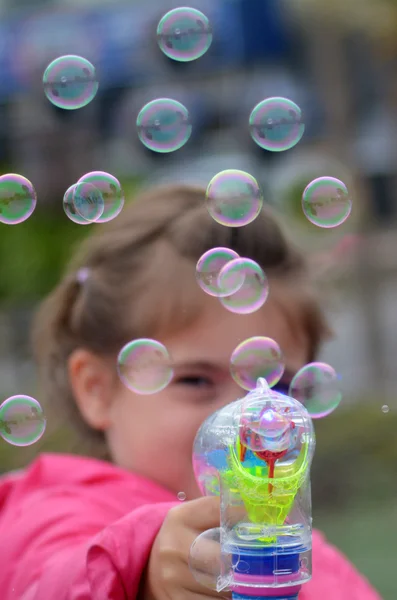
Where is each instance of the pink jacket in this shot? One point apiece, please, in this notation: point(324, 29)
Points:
point(79, 529)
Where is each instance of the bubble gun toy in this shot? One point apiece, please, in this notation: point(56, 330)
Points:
point(256, 453)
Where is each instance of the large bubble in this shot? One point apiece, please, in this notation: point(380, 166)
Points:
point(276, 124)
point(144, 366)
point(108, 191)
point(208, 268)
point(70, 208)
point(184, 34)
point(253, 293)
point(234, 198)
point(17, 199)
point(22, 421)
point(326, 202)
point(70, 82)
point(317, 387)
point(254, 358)
point(164, 125)
point(88, 201)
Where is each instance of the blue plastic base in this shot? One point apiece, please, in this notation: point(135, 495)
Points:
point(240, 597)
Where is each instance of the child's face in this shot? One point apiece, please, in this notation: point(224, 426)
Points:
point(153, 435)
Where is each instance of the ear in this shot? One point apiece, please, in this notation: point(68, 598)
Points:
point(92, 381)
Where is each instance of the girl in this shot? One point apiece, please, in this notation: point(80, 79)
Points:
point(79, 528)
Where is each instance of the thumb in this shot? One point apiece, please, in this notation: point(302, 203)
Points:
point(201, 514)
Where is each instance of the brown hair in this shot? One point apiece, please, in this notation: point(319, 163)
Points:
point(140, 279)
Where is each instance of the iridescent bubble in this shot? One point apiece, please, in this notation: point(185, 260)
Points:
point(207, 565)
point(208, 268)
point(184, 34)
point(254, 291)
point(17, 199)
point(70, 82)
point(234, 198)
point(164, 125)
point(181, 496)
point(70, 209)
point(326, 202)
point(111, 192)
point(144, 366)
point(276, 124)
point(270, 430)
point(88, 201)
point(22, 421)
point(254, 358)
point(317, 387)
point(385, 409)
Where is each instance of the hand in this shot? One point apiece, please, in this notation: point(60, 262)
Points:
point(168, 576)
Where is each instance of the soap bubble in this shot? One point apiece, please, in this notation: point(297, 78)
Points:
point(88, 201)
point(184, 34)
point(326, 202)
point(164, 125)
point(181, 496)
point(70, 82)
point(22, 421)
point(234, 198)
point(17, 199)
point(70, 209)
point(254, 291)
point(385, 409)
point(317, 387)
point(270, 431)
point(144, 366)
point(254, 358)
point(276, 124)
point(206, 563)
point(111, 192)
point(208, 268)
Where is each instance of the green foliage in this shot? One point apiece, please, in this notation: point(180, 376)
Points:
point(36, 251)
point(356, 456)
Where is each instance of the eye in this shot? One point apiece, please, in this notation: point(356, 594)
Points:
point(197, 381)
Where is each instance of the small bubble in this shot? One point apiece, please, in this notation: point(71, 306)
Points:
point(276, 124)
point(17, 199)
point(181, 496)
point(385, 408)
point(326, 202)
point(70, 82)
point(144, 366)
point(164, 125)
point(234, 198)
point(184, 34)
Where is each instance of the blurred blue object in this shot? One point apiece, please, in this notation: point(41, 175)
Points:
point(120, 40)
point(264, 29)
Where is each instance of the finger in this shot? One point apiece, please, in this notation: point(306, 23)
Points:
point(201, 514)
point(205, 556)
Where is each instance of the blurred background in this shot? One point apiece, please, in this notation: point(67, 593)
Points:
point(337, 61)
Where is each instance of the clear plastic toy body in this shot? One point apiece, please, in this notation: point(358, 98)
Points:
point(256, 453)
